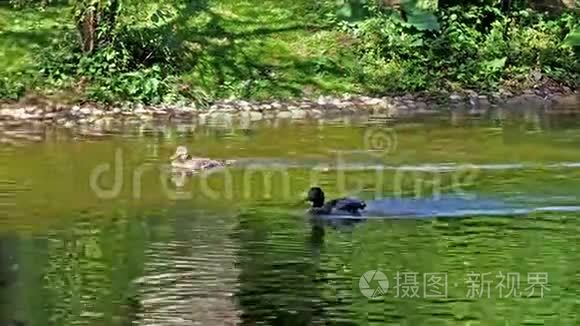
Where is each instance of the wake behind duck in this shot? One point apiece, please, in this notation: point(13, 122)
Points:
point(421, 208)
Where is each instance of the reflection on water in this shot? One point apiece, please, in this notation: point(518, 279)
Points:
point(190, 276)
point(234, 247)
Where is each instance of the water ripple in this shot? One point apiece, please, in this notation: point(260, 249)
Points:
point(275, 164)
point(189, 282)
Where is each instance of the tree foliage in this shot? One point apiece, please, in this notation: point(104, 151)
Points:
point(148, 51)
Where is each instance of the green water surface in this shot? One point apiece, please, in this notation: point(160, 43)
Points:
point(98, 230)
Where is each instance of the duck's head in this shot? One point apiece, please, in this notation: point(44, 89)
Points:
point(316, 197)
point(180, 153)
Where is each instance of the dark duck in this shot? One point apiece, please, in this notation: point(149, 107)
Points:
point(339, 206)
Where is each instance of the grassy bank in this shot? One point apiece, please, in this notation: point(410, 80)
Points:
point(263, 49)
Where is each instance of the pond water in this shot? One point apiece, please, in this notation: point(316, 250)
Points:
point(98, 231)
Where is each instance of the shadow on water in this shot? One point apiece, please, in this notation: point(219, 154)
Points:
point(285, 276)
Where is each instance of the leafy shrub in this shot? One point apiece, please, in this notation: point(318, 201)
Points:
point(474, 47)
point(138, 61)
point(173, 50)
point(12, 87)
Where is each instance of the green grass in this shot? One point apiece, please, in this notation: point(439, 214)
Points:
point(259, 49)
point(276, 50)
point(23, 33)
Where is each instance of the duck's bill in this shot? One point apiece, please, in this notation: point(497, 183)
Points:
point(174, 156)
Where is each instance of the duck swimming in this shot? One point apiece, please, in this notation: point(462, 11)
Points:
point(340, 206)
point(182, 160)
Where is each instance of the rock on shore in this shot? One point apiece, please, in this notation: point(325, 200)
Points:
point(294, 109)
point(25, 123)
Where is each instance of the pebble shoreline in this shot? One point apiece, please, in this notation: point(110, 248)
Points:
point(69, 116)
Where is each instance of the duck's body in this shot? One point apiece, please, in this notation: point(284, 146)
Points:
point(198, 163)
point(339, 206)
point(182, 160)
